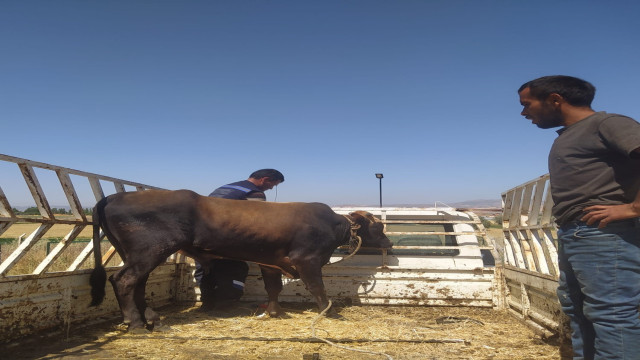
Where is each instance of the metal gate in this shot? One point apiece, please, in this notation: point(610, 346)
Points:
point(530, 255)
point(43, 290)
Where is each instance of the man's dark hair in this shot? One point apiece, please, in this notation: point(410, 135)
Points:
point(272, 174)
point(576, 92)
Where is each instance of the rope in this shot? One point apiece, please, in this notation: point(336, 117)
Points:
point(351, 254)
point(352, 239)
point(313, 334)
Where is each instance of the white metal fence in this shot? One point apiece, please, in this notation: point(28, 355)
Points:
point(69, 180)
point(530, 254)
point(41, 290)
point(528, 226)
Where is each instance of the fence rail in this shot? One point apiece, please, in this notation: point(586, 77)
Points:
point(47, 218)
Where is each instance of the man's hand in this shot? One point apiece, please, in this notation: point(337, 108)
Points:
point(608, 213)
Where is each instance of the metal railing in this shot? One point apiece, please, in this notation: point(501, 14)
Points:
point(47, 218)
point(529, 229)
point(531, 256)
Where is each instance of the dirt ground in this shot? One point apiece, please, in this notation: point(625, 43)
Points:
point(364, 332)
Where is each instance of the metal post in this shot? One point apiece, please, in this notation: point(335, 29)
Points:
point(380, 176)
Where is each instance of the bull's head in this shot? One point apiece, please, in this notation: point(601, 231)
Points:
point(371, 230)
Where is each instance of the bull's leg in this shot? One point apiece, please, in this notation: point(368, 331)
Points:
point(311, 275)
point(124, 283)
point(273, 284)
point(126, 318)
point(150, 317)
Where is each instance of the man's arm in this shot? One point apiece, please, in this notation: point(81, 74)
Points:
point(608, 213)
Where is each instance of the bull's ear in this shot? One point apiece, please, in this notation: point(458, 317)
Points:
point(358, 216)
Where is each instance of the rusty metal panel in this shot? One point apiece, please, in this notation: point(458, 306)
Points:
point(533, 297)
point(391, 286)
point(54, 300)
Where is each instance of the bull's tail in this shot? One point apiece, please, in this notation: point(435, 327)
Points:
point(98, 279)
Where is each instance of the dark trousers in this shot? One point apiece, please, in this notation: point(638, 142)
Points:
point(221, 281)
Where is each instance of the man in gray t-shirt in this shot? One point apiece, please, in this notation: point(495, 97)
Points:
point(590, 164)
point(594, 168)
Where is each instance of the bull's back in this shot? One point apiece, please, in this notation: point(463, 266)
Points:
point(253, 226)
point(131, 213)
point(271, 217)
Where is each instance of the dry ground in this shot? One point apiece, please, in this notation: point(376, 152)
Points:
point(366, 332)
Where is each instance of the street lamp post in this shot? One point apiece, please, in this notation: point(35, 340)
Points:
point(380, 176)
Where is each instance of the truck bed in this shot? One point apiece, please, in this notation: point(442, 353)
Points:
point(366, 332)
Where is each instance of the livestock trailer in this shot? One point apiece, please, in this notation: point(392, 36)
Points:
point(442, 257)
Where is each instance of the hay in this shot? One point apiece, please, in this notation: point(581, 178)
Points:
point(377, 332)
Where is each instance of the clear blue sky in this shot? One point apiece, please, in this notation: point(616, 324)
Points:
point(196, 94)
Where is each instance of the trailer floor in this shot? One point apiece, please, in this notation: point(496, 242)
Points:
point(365, 332)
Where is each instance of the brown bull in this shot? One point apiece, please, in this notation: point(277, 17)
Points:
point(146, 227)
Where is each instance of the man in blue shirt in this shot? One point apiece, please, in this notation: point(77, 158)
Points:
point(221, 281)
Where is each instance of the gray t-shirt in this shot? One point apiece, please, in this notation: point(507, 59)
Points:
point(590, 164)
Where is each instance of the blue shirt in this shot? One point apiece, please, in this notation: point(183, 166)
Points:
point(240, 190)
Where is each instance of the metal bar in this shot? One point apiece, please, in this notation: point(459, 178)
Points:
point(43, 221)
point(534, 217)
point(72, 196)
point(508, 249)
point(119, 187)
point(525, 245)
point(426, 247)
point(4, 225)
point(36, 191)
point(41, 165)
point(547, 217)
point(539, 253)
point(5, 207)
point(84, 255)
point(432, 222)
point(514, 218)
point(517, 250)
point(57, 251)
point(23, 248)
point(525, 204)
point(550, 252)
point(432, 233)
point(96, 187)
point(108, 255)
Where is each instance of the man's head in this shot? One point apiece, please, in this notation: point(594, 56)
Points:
point(266, 179)
point(548, 101)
